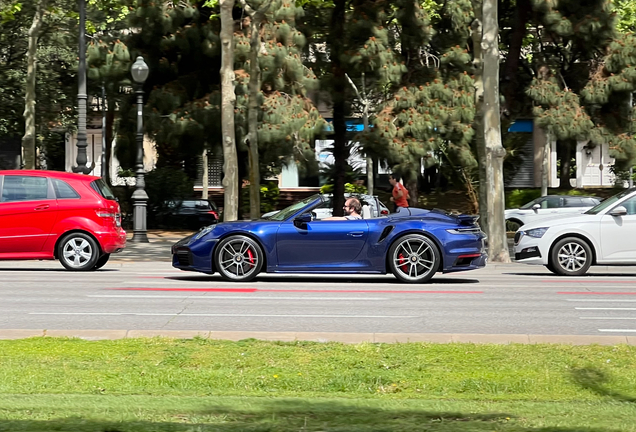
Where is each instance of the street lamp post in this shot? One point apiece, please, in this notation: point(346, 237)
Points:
point(82, 95)
point(139, 73)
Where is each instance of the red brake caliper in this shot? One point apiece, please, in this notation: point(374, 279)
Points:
point(402, 264)
point(250, 255)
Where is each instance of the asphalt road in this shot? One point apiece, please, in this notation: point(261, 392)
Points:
point(501, 299)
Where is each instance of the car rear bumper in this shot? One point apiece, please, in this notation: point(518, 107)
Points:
point(112, 242)
point(465, 262)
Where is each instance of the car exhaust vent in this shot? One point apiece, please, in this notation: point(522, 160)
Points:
point(183, 256)
point(385, 233)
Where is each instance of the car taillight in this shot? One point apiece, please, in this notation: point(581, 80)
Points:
point(105, 213)
point(213, 213)
point(384, 212)
point(109, 214)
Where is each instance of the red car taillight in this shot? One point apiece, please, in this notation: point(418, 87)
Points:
point(213, 213)
point(110, 214)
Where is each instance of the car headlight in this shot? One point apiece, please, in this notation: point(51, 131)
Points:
point(204, 231)
point(536, 232)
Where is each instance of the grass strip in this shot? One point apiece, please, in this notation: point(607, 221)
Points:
point(163, 384)
point(91, 413)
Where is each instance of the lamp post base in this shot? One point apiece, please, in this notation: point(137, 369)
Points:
point(140, 235)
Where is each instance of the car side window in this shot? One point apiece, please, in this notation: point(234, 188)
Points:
point(551, 202)
point(630, 205)
point(573, 202)
point(24, 188)
point(63, 190)
point(324, 210)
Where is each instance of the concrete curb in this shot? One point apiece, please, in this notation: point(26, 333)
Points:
point(503, 339)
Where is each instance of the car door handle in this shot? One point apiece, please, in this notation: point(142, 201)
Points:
point(42, 207)
point(356, 234)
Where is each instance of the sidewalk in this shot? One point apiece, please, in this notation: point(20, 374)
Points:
point(157, 248)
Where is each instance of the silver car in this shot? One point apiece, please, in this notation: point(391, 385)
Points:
point(546, 207)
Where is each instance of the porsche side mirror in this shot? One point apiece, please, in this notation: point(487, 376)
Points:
point(536, 207)
point(618, 211)
point(302, 219)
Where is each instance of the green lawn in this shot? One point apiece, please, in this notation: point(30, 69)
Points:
point(200, 385)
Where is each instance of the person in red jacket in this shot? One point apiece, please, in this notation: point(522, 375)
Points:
point(400, 194)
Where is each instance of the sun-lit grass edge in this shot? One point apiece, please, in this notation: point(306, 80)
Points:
point(201, 367)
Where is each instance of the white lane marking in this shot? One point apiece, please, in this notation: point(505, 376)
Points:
point(617, 330)
point(601, 300)
point(608, 318)
point(600, 308)
point(217, 297)
point(220, 315)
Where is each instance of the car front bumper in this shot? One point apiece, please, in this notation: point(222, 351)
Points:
point(528, 251)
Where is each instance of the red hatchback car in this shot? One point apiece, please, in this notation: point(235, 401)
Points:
point(57, 215)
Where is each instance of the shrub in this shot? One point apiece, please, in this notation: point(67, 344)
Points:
point(269, 197)
point(349, 188)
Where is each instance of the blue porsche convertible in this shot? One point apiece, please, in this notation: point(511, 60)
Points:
point(413, 244)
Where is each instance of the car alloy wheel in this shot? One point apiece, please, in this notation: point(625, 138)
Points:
point(78, 252)
point(571, 257)
point(238, 258)
point(414, 258)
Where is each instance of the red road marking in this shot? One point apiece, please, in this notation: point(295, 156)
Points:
point(243, 290)
point(596, 293)
point(372, 291)
point(591, 281)
point(252, 290)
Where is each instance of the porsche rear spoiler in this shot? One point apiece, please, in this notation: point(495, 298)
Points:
point(462, 219)
point(468, 220)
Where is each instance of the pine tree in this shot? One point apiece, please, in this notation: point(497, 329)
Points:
point(573, 37)
point(108, 67)
point(287, 119)
point(434, 108)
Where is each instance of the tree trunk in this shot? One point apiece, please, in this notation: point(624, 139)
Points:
point(28, 140)
point(564, 147)
point(254, 107)
point(495, 152)
point(478, 124)
point(110, 121)
point(204, 176)
point(519, 31)
point(340, 147)
point(545, 165)
point(228, 101)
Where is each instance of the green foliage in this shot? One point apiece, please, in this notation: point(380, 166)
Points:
point(8, 11)
point(434, 110)
point(626, 10)
point(586, 76)
point(349, 188)
point(269, 197)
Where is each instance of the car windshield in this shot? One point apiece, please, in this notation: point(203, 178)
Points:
point(287, 212)
point(531, 203)
point(609, 202)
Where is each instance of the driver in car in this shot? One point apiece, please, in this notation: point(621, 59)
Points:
point(352, 209)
